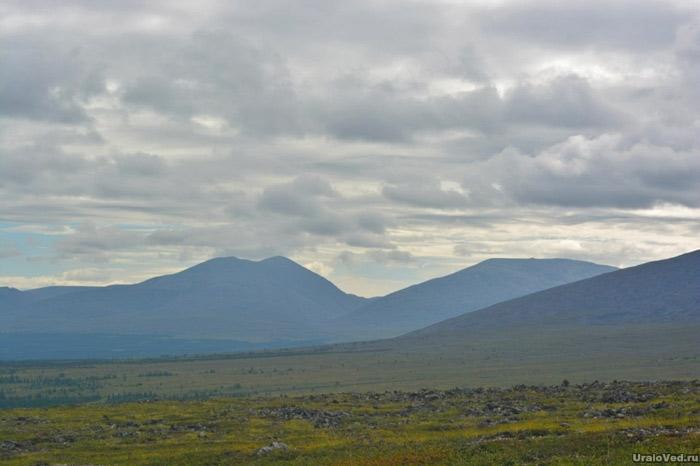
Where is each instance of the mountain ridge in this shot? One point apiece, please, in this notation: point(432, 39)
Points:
point(224, 298)
point(656, 292)
point(468, 289)
point(236, 300)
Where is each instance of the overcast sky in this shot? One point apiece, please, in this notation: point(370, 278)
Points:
point(378, 143)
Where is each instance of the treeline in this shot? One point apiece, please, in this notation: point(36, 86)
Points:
point(58, 397)
point(193, 395)
point(40, 391)
point(41, 400)
point(89, 383)
point(156, 374)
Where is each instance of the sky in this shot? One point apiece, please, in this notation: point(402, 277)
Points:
point(379, 143)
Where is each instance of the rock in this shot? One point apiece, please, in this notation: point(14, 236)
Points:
point(274, 446)
point(639, 434)
point(9, 445)
point(619, 413)
point(319, 418)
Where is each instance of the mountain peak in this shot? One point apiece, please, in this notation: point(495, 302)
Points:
point(217, 262)
point(233, 260)
point(278, 260)
point(221, 298)
point(223, 259)
point(526, 260)
point(8, 289)
point(469, 289)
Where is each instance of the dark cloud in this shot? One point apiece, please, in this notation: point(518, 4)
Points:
point(373, 222)
point(597, 172)
point(309, 204)
point(567, 101)
point(41, 80)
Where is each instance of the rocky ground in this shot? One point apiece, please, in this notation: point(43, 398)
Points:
point(430, 426)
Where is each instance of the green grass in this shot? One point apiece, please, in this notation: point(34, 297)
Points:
point(219, 410)
point(544, 357)
point(524, 425)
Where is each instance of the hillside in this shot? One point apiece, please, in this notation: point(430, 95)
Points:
point(226, 298)
point(639, 323)
point(662, 292)
point(472, 288)
point(231, 304)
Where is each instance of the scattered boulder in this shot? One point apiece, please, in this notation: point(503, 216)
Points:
point(274, 446)
point(625, 411)
point(640, 433)
point(319, 418)
point(9, 445)
point(623, 396)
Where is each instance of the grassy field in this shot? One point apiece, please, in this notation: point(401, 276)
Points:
point(540, 358)
point(379, 403)
point(587, 424)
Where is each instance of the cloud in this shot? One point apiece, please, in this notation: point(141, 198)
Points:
point(565, 101)
point(40, 82)
point(391, 256)
point(620, 24)
point(606, 171)
point(152, 136)
point(426, 193)
point(378, 256)
point(309, 204)
point(96, 243)
point(298, 197)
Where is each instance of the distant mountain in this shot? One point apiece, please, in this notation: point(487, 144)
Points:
point(661, 294)
point(473, 288)
point(10, 297)
point(39, 294)
point(639, 323)
point(9, 293)
point(226, 298)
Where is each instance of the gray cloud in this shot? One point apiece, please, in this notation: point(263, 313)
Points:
point(566, 101)
point(399, 132)
point(600, 172)
point(40, 82)
point(620, 24)
point(299, 197)
point(96, 243)
point(425, 194)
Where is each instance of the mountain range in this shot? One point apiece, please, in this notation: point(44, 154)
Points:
point(225, 298)
point(640, 322)
point(665, 292)
point(231, 304)
point(486, 283)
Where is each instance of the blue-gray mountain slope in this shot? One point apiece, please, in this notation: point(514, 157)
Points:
point(227, 298)
point(230, 304)
point(659, 294)
point(469, 289)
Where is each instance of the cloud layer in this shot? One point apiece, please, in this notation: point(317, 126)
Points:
point(378, 142)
